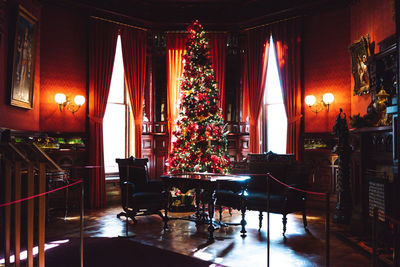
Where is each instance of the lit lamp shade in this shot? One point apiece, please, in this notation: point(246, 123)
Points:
point(328, 98)
point(60, 99)
point(79, 100)
point(310, 100)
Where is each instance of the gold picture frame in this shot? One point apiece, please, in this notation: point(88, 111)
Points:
point(23, 73)
point(360, 51)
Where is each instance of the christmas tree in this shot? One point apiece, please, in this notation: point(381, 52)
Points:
point(200, 143)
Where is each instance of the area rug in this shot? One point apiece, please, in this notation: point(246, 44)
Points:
point(114, 252)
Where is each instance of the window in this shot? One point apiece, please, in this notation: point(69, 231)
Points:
point(273, 120)
point(116, 118)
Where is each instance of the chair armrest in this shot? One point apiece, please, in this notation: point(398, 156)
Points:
point(128, 185)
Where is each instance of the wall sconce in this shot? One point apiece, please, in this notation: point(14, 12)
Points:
point(64, 101)
point(317, 106)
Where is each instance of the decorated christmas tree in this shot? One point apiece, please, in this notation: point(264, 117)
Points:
point(200, 142)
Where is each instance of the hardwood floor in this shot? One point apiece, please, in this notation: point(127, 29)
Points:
point(300, 248)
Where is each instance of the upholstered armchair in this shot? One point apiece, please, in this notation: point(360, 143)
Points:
point(139, 196)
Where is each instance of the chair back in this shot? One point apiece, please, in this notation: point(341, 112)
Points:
point(139, 173)
point(135, 172)
point(278, 165)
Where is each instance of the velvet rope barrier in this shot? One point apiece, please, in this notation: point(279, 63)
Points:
point(52, 191)
point(38, 195)
point(101, 167)
point(327, 216)
point(374, 228)
point(85, 167)
point(286, 185)
point(294, 188)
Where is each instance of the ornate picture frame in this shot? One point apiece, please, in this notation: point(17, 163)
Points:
point(360, 51)
point(23, 73)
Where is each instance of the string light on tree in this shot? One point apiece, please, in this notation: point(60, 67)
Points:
point(200, 142)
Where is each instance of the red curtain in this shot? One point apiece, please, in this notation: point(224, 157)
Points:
point(255, 69)
point(102, 44)
point(134, 47)
point(243, 80)
point(218, 54)
point(287, 37)
point(175, 50)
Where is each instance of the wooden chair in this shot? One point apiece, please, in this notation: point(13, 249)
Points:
point(139, 196)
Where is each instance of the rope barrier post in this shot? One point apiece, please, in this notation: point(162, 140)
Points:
point(30, 213)
point(17, 214)
point(7, 212)
point(268, 239)
point(42, 214)
point(374, 224)
point(327, 230)
point(81, 219)
point(396, 247)
point(126, 203)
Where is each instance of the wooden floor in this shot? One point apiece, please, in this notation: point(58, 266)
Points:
point(300, 248)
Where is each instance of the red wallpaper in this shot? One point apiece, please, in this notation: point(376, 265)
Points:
point(63, 67)
point(14, 117)
point(373, 17)
point(327, 66)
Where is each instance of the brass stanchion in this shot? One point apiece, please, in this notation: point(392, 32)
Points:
point(327, 230)
point(126, 204)
point(395, 245)
point(374, 224)
point(81, 219)
point(268, 239)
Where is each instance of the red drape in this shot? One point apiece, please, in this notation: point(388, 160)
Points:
point(175, 50)
point(134, 46)
point(245, 86)
point(218, 54)
point(102, 44)
point(287, 37)
point(256, 67)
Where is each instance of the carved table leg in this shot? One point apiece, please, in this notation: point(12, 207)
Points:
point(197, 191)
point(260, 217)
point(284, 221)
point(167, 196)
point(304, 219)
point(211, 207)
point(243, 221)
point(203, 211)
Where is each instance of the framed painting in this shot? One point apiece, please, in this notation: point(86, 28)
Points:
point(360, 51)
point(23, 73)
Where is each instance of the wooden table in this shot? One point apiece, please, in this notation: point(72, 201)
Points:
point(205, 184)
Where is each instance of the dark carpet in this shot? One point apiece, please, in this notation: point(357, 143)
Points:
point(116, 252)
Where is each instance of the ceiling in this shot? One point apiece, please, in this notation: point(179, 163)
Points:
point(214, 13)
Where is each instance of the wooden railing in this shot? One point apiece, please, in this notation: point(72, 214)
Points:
point(14, 164)
point(23, 169)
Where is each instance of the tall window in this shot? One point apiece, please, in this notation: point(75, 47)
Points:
point(115, 122)
point(273, 120)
